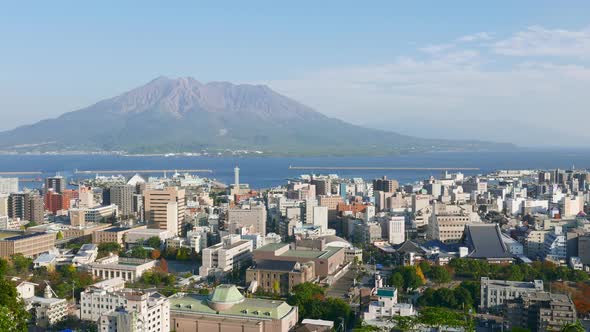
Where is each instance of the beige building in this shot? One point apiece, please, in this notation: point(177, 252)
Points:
point(332, 203)
point(327, 261)
point(448, 227)
point(227, 310)
point(279, 277)
point(29, 245)
point(114, 234)
point(254, 215)
point(222, 257)
point(160, 213)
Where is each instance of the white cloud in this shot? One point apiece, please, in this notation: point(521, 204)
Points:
point(480, 36)
point(539, 41)
point(458, 93)
point(438, 48)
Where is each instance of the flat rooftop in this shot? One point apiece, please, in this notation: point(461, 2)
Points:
point(116, 229)
point(22, 236)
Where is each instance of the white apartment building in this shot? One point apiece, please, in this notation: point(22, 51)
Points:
point(222, 257)
point(116, 308)
point(555, 246)
point(8, 185)
point(198, 238)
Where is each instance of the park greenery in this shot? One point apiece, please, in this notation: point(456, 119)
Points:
point(312, 302)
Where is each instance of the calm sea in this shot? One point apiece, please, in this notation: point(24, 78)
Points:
point(265, 172)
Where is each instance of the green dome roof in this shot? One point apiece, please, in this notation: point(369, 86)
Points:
point(226, 294)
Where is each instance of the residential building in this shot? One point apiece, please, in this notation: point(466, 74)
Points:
point(556, 246)
point(26, 205)
point(223, 257)
point(122, 197)
point(29, 245)
point(228, 310)
point(386, 185)
point(47, 310)
point(495, 292)
point(540, 311)
point(386, 306)
point(165, 208)
point(279, 277)
point(8, 185)
point(116, 308)
point(534, 243)
point(56, 183)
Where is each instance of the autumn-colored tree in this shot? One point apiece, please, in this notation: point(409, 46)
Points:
point(420, 274)
point(582, 298)
point(163, 265)
point(155, 254)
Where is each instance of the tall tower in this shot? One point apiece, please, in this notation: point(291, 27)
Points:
point(237, 178)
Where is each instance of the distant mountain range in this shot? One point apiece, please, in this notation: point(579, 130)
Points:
point(183, 115)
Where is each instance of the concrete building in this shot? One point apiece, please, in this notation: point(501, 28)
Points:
point(47, 310)
point(162, 215)
point(386, 185)
point(327, 260)
point(113, 234)
point(254, 216)
point(29, 245)
point(26, 206)
point(128, 269)
point(86, 197)
point(332, 203)
point(8, 185)
point(540, 311)
point(534, 243)
point(279, 277)
point(320, 217)
point(122, 197)
point(386, 306)
point(555, 248)
point(116, 308)
point(140, 234)
point(396, 230)
point(495, 292)
point(448, 227)
point(56, 183)
point(223, 257)
point(228, 310)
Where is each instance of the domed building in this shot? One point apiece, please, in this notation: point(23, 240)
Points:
point(226, 309)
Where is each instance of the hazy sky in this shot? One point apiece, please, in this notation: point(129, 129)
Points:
point(503, 70)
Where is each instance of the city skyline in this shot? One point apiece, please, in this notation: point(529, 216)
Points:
point(414, 69)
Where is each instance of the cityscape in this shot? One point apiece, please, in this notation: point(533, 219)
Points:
point(179, 251)
point(308, 166)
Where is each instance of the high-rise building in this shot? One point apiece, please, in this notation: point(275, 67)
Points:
point(8, 185)
point(385, 185)
point(86, 197)
point(26, 206)
point(57, 183)
point(254, 216)
point(157, 209)
point(55, 201)
point(122, 196)
point(322, 186)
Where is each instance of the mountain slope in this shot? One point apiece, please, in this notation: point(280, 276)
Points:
point(177, 115)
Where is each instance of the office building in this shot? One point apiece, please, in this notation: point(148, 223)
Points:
point(162, 215)
point(29, 245)
point(279, 277)
point(111, 235)
point(327, 259)
point(223, 257)
point(228, 310)
point(495, 292)
point(86, 197)
point(250, 215)
point(396, 230)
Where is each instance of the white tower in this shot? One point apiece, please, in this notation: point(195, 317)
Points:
point(237, 178)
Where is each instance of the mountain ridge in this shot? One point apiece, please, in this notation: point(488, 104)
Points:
point(185, 115)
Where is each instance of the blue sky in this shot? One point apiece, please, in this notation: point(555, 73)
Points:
point(440, 69)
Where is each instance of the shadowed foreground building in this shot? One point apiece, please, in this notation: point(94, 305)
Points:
point(227, 310)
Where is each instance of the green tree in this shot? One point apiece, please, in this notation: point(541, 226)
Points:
point(139, 252)
point(573, 327)
point(22, 263)
point(439, 275)
point(108, 247)
point(7, 321)
point(397, 280)
point(154, 242)
point(9, 299)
